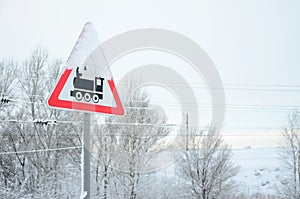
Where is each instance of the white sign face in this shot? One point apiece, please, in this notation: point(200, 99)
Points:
point(86, 83)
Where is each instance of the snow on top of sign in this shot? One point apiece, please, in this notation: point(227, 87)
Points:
point(99, 64)
point(85, 45)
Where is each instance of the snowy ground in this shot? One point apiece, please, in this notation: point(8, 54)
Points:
point(258, 157)
point(260, 169)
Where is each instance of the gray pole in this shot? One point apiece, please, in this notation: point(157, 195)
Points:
point(187, 132)
point(86, 155)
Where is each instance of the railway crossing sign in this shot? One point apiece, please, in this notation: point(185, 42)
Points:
point(86, 83)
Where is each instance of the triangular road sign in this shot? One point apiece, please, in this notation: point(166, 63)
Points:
point(86, 83)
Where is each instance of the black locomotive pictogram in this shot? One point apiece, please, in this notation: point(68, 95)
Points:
point(87, 89)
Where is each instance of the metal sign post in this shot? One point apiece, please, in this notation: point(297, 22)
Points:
point(86, 155)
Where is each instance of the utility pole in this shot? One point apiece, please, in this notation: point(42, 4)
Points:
point(86, 156)
point(187, 133)
point(298, 167)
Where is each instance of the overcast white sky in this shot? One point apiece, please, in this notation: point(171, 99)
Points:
point(251, 42)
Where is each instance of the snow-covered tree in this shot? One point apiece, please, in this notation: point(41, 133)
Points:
point(128, 144)
point(290, 155)
point(205, 167)
point(9, 167)
point(33, 134)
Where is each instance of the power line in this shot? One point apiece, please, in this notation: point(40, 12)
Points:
point(175, 83)
point(209, 105)
point(238, 87)
point(79, 147)
point(217, 85)
point(197, 126)
point(257, 158)
point(252, 87)
point(40, 150)
point(141, 124)
point(55, 122)
point(166, 136)
point(228, 107)
point(260, 148)
point(40, 121)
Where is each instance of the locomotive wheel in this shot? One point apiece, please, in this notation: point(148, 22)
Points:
point(95, 98)
point(87, 97)
point(78, 95)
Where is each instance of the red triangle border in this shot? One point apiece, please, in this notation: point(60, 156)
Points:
point(54, 101)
